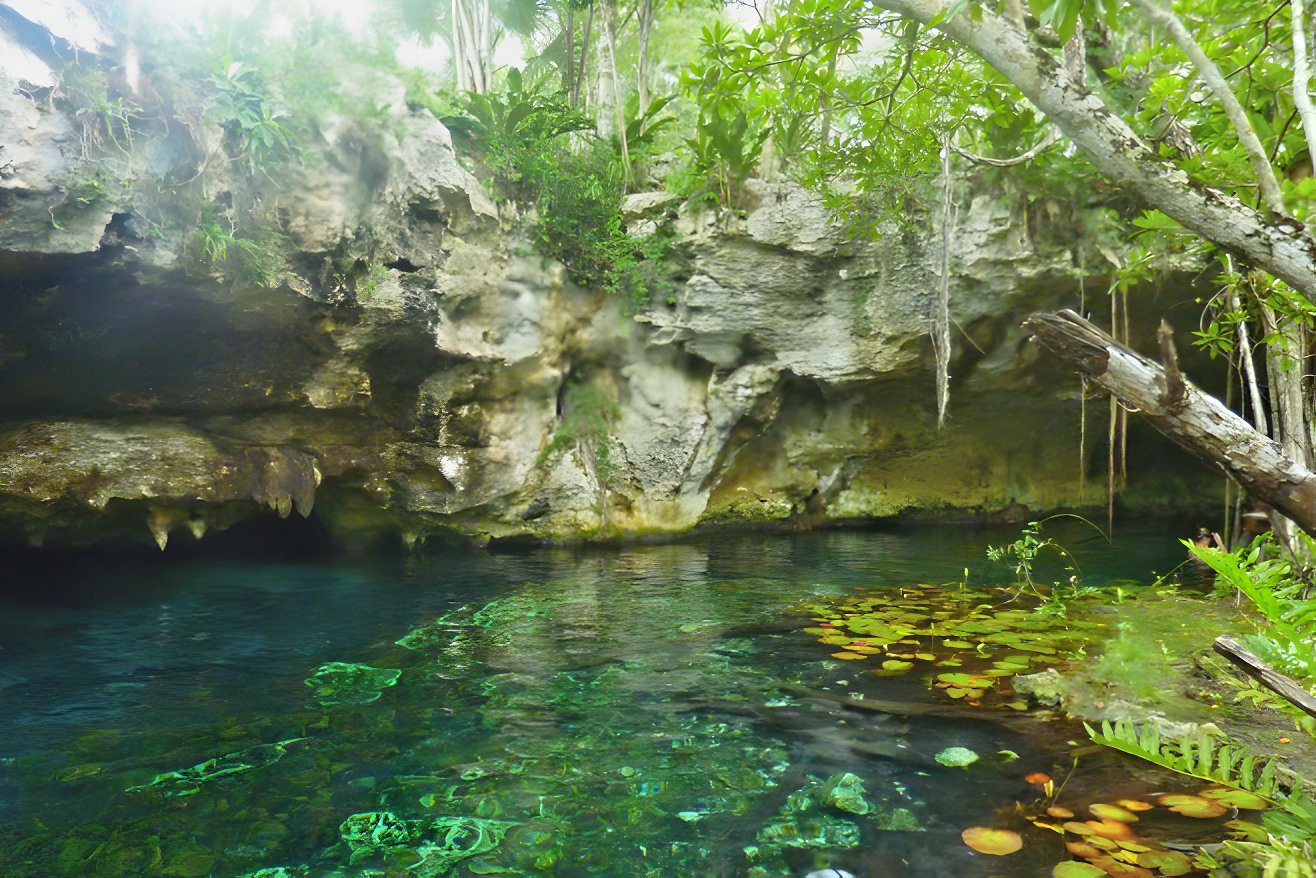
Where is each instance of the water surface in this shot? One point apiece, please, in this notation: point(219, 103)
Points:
point(648, 710)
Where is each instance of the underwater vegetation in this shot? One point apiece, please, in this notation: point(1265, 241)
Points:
point(652, 726)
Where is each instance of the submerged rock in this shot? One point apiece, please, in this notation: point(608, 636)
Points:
point(1045, 688)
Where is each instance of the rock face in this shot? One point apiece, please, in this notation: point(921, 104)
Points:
point(406, 364)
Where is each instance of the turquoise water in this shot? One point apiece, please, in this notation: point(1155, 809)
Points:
point(648, 710)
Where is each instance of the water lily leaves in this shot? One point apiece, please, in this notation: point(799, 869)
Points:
point(950, 627)
point(1059, 812)
point(896, 665)
point(1111, 829)
point(1240, 799)
point(1169, 863)
point(847, 656)
point(1193, 806)
point(1134, 805)
point(957, 757)
point(1075, 869)
point(997, 842)
point(1113, 812)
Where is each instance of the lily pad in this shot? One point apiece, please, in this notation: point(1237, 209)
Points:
point(1169, 863)
point(1240, 799)
point(1075, 869)
point(957, 757)
point(1113, 812)
point(997, 842)
point(1194, 806)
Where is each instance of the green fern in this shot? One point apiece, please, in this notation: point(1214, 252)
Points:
point(1202, 757)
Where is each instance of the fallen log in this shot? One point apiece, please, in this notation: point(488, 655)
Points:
point(1249, 663)
point(1194, 420)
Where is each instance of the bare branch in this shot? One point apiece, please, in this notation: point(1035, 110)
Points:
point(1052, 136)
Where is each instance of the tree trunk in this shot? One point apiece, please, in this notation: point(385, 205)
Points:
point(642, 62)
point(1194, 420)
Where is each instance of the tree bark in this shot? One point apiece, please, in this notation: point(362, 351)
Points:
point(1280, 246)
point(1285, 687)
point(1194, 420)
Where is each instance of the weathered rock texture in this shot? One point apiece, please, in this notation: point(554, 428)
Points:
point(405, 370)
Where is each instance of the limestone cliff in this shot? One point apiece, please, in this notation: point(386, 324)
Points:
point(399, 359)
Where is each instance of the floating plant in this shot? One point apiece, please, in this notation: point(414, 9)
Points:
point(984, 631)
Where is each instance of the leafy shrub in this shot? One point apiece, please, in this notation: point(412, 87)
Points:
point(246, 112)
point(543, 151)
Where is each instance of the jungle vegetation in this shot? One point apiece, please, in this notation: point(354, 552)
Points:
point(1185, 131)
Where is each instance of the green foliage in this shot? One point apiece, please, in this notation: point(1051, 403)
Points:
point(106, 118)
point(1063, 15)
point(642, 129)
point(252, 124)
point(1288, 639)
point(588, 413)
point(1034, 543)
point(541, 151)
point(1203, 756)
point(223, 251)
point(369, 286)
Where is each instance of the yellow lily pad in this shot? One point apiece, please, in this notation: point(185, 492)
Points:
point(997, 842)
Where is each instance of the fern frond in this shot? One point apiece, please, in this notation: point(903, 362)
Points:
point(1201, 756)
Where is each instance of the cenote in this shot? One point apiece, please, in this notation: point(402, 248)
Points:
point(637, 710)
point(647, 439)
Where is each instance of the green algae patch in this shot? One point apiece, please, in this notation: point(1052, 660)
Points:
point(434, 846)
point(188, 781)
point(957, 757)
point(335, 683)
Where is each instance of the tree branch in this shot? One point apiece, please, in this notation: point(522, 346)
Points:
point(1042, 145)
point(1271, 195)
point(1282, 248)
point(1302, 77)
point(1198, 422)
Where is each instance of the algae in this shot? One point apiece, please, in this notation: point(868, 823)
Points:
point(336, 683)
point(189, 781)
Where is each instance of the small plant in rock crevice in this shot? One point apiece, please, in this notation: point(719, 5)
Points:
point(587, 416)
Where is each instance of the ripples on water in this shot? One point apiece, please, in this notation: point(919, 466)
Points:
point(636, 711)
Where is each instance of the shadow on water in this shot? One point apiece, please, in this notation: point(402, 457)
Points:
point(619, 710)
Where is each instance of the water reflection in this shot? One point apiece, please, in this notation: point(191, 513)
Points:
point(643, 710)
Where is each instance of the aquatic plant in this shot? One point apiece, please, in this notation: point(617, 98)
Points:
point(335, 683)
point(957, 757)
point(1032, 544)
point(1204, 756)
point(972, 640)
point(189, 781)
